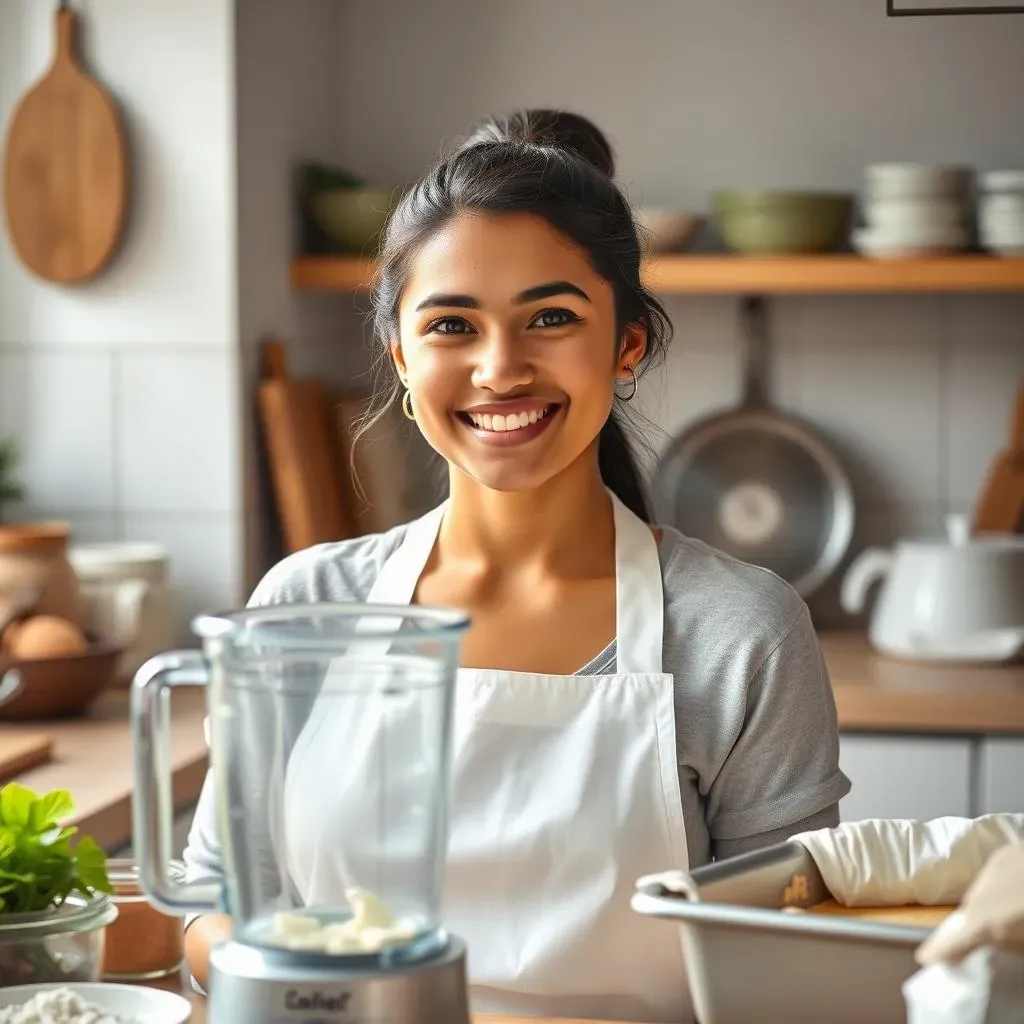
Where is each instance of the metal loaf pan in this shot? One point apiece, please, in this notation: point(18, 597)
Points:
point(748, 963)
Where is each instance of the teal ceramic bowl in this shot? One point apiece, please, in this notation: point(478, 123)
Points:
point(782, 222)
point(353, 219)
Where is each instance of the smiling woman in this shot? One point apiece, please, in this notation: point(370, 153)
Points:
point(630, 700)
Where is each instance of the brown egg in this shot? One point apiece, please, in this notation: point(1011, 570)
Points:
point(43, 636)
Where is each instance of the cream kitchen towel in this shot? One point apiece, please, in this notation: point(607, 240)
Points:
point(897, 862)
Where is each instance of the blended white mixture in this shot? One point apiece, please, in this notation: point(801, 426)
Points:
point(58, 1006)
point(371, 928)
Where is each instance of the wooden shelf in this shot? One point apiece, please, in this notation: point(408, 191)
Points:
point(761, 275)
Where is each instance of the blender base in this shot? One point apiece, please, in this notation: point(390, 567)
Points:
point(248, 986)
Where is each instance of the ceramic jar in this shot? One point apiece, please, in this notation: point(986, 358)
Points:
point(36, 555)
point(127, 597)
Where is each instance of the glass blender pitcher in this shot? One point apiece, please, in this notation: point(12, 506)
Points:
point(330, 737)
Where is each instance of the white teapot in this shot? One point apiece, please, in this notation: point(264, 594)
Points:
point(954, 600)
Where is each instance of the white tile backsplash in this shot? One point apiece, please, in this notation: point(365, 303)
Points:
point(870, 375)
point(986, 366)
point(178, 436)
point(58, 406)
point(205, 552)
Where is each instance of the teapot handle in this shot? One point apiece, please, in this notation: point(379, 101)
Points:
point(871, 565)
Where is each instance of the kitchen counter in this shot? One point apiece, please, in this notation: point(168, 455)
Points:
point(93, 759)
point(880, 694)
point(873, 694)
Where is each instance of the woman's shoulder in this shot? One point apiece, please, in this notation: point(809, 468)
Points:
point(705, 586)
point(343, 570)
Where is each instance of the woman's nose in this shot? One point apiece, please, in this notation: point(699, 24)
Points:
point(502, 364)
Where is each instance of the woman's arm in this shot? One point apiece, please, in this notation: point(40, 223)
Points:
point(782, 773)
point(201, 935)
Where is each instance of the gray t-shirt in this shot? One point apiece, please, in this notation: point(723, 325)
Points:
point(756, 734)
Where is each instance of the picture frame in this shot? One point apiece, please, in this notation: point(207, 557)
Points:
point(924, 8)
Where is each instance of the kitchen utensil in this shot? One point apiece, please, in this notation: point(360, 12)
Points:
point(305, 468)
point(797, 968)
point(127, 598)
point(21, 751)
point(757, 484)
point(56, 687)
point(664, 230)
point(65, 169)
point(36, 555)
point(381, 678)
point(955, 600)
point(1000, 507)
point(125, 1002)
point(780, 222)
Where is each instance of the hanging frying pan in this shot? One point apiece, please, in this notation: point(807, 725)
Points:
point(759, 485)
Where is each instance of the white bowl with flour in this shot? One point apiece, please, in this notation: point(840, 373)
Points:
point(91, 1003)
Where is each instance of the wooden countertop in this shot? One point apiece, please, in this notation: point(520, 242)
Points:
point(880, 694)
point(873, 693)
point(93, 758)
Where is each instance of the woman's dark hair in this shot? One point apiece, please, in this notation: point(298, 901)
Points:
point(558, 166)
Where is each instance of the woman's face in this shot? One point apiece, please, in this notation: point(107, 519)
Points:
point(507, 342)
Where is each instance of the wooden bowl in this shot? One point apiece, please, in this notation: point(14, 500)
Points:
point(56, 687)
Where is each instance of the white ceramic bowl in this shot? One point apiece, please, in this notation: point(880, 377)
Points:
point(885, 244)
point(1003, 182)
point(913, 214)
point(910, 180)
point(134, 1003)
point(663, 229)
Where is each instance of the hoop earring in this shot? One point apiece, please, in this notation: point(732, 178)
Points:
point(407, 405)
point(632, 394)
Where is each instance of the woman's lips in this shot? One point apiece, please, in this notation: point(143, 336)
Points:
point(493, 428)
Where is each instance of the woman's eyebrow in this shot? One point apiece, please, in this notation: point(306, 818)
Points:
point(538, 291)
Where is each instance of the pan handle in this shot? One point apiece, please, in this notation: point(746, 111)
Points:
point(754, 352)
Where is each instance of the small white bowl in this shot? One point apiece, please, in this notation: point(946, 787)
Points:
point(915, 213)
point(910, 180)
point(663, 230)
point(136, 1003)
point(903, 245)
point(1003, 182)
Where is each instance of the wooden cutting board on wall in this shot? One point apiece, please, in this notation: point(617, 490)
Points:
point(305, 464)
point(65, 170)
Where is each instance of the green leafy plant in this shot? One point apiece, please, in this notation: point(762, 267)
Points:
point(10, 489)
point(39, 868)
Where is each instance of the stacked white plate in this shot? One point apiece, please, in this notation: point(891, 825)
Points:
point(1001, 212)
point(914, 210)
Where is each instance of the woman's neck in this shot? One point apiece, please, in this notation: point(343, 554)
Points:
point(565, 526)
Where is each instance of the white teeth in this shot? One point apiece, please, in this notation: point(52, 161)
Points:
point(513, 421)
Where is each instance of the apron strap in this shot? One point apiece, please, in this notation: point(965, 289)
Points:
point(639, 600)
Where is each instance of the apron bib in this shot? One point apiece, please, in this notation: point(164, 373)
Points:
point(565, 791)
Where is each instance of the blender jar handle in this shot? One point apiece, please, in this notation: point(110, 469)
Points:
point(153, 801)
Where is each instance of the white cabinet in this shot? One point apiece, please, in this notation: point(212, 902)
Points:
point(1001, 776)
point(905, 776)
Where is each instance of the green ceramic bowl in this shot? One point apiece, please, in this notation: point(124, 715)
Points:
point(353, 218)
point(781, 222)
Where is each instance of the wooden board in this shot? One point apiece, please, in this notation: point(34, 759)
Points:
point(65, 170)
point(305, 468)
point(21, 751)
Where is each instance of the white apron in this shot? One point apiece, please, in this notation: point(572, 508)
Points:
point(565, 791)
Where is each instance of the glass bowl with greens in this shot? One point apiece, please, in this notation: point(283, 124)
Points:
point(54, 903)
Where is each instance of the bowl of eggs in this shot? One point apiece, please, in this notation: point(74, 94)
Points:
point(51, 668)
